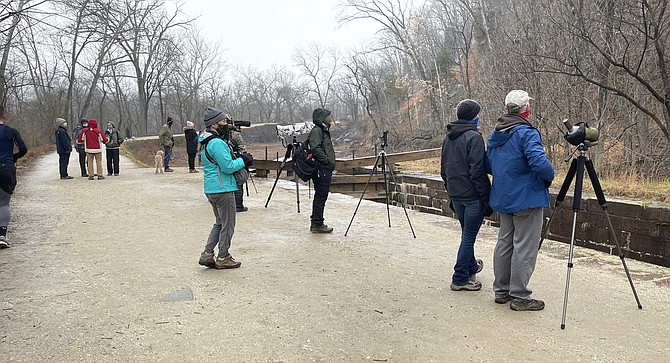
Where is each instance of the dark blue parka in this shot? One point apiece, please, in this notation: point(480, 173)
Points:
point(63, 141)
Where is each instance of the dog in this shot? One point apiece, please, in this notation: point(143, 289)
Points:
point(158, 160)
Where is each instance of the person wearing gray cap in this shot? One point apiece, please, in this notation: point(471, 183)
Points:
point(218, 166)
point(522, 174)
point(63, 148)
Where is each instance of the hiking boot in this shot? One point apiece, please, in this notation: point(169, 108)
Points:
point(526, 305)
point(109, 174)
point(193, 171)
point(168, 170)
point(226, 262)
point(67, 177)
point(480, 266)
point(101, 177)
point(91, 178)
point(319, 228)
point(503, 299)
point(241, 209)
point(84, 175)
point(469, 286)
point(4, 243)
point(207, 259)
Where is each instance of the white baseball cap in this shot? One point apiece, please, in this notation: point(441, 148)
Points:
point(518, 98)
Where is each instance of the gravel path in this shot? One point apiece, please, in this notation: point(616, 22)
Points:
point(106, 271)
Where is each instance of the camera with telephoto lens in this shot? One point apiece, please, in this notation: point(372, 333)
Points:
point(581, 134)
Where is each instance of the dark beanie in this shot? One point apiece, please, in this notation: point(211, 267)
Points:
point(213, 115)
point(467, 109)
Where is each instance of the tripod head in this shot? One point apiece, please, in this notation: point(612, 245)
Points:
point(385, 140)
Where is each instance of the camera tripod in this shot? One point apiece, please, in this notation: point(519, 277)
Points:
point(577, 170)
point(289, 153)
point(382, 159)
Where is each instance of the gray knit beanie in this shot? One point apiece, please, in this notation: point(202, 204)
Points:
point(213, 115)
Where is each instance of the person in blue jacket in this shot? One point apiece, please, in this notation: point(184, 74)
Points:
point(10, 139)
point(519, 192)
point(63, 148)
point(218, 167)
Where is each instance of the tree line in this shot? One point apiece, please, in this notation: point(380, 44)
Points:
point(136, 62)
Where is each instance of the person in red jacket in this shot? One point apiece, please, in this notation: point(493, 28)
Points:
point(91, 136)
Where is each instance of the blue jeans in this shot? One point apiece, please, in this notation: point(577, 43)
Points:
point(167, 154)
point(470, 216)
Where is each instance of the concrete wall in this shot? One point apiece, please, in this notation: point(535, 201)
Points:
point(643, 230)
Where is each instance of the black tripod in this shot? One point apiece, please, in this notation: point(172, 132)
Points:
point(577, 168)
point(384, 163)
point(289, 153)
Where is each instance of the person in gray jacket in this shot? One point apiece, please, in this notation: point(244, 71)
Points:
point(464, 173)
point(322, 148)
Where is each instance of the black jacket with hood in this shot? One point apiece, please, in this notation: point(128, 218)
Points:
point(463, 163)
point(319, 139)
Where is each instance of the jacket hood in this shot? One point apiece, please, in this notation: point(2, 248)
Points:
point(205, 135)
point(458, 128)
point(92, 124)
point(113, 124)
point(508, 120)
point(319, 116)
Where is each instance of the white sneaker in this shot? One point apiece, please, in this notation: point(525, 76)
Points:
point(3, 242)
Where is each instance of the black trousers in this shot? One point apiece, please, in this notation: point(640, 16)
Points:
point(63, 161)
point(82, 162)
point(321, 182)
point(191, 161)
point(113, 161)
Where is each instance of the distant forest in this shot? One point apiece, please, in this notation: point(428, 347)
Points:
point(604, 62)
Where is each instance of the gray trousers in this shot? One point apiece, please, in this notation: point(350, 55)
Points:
point(516, 252)
point(4, 208)
point(223, 205)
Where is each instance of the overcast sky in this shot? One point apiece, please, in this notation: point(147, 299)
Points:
point(266, 32)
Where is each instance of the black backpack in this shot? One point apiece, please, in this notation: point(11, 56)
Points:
point(304, 164)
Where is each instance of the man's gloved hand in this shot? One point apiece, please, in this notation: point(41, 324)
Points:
point(486, 208)
point(248, 159)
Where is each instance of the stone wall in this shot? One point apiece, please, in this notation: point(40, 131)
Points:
point(643, 230)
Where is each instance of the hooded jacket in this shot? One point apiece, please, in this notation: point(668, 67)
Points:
point(520, 168)
point(218, 177)
point(463, 163)
point(115, 139)
point(320, 143)
point(191, 137)
point(165, 136)
point(91, 137)
point(79, 146)
point(63, 140)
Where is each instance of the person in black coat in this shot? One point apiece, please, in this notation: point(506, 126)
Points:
point(191, 145)
point(63, 147)
point(79, 147)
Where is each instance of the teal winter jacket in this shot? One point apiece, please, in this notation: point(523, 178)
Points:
point(218, 178)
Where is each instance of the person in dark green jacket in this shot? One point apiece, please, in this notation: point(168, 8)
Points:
point(322, 149)
point(167, 141)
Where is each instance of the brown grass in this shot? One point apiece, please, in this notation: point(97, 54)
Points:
point(626, 187)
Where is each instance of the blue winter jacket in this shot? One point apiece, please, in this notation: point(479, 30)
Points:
point(520, 168)
point(63, 141)
point(218, 178)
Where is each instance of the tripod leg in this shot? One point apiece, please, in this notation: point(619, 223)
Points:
point(384, 161)
point(252, 183)
point(560, 197)
point(603, 203)
point(374, 169)
point(400, 199)
point(577, 198)
point(297, 191)
point(289, 152)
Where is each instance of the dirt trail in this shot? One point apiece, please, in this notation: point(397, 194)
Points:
point(106, 271)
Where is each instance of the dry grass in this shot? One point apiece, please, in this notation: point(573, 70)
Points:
point(626, 187)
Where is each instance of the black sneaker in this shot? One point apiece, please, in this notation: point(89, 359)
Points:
point(67, 177)
point(503, 299)
point(526, 305)
point(241, 209)
point(469, 286)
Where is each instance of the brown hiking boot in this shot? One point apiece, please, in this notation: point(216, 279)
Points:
point(319, 227)
point(91, 178)
point(207, 259)
point(226, 262)
point(100, 177)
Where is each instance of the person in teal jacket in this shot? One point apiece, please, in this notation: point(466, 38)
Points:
point(218, 167)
